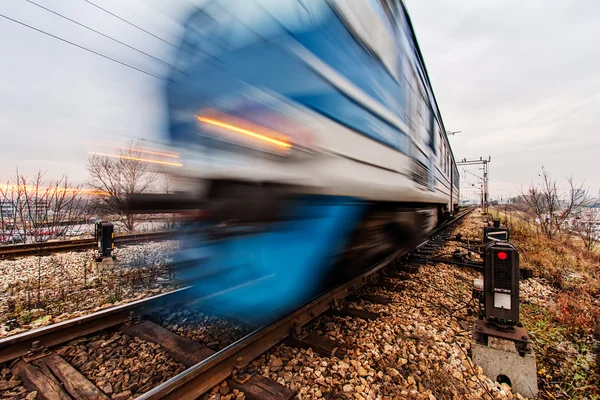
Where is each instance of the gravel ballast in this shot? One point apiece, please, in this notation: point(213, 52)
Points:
point(418, 348)
point(119, 365)
point(214, 332)
point(39, 291)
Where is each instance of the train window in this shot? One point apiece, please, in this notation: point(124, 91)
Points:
point(376, 27)
point(440, 151)
point(447, 164)
point(430, 127)
point(442, 155)
point(411, 95)
point(448, 161)
point(419, 111)
point(445, 159)
point(444, 169)
point(209, 33)
point(218, 27)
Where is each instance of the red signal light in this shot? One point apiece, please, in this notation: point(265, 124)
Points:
point(502, 255)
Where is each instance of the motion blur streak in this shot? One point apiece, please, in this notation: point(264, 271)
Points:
point(52, 190)
point(342, 79)
point(158, 153)
point(137, 159)
point(149, 151)
point(245, 132)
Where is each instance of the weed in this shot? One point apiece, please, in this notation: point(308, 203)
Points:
point(25, 317)
point(566, 332)
point(116, 295)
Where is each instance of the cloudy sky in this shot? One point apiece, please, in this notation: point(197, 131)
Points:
point(521, 80)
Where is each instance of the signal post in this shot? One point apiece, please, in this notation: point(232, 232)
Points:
point(501, 345)
point(104, 234)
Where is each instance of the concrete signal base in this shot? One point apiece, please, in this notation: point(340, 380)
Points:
point(501, 361)
point(106, 263)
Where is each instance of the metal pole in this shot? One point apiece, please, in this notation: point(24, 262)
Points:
point(485, 186)
point(485, 179)
point(482, 198)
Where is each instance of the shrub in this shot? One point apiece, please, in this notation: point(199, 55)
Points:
point(577, 313)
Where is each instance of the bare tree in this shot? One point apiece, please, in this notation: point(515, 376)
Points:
point(10, 198)
point(117, 178)
point(551, 208)
point(167, 184)
point(167, 188)
point(587, 226)
point(41, 212)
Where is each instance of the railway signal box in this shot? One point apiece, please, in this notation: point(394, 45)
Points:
point(105, 236)
point(502, 346)
point(501, 283)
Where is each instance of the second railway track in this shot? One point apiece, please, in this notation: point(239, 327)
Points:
point(35, 362)
point(24, 250)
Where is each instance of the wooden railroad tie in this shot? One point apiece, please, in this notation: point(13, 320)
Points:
point(391, 285)
point(190, 353)
point(261, 388)
point(403, 276)
point(355, 313)
point(184, 350)
point(323, 346)
point(372, 298)
point(54, 378)
point(411, 267)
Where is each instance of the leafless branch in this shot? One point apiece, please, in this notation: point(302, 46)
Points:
point(550, 208)
point(587, 226)
point(118, 178)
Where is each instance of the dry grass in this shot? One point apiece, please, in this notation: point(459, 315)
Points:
point(566, 331)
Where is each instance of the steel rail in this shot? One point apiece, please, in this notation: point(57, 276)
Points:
point(200, 378)
point(22, 250)
point(12, 347)
point(203, 376)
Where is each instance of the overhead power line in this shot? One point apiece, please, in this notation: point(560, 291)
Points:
point(469, 172)
point(83, 47)
point(130, 23)
point(98, 32)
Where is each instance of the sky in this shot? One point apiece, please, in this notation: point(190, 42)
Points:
point(521, 80)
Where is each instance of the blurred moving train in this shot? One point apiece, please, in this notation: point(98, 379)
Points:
point(310, 133)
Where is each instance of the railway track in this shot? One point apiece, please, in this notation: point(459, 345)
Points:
point(209, 372)
point(23, 250)
point(41, 368)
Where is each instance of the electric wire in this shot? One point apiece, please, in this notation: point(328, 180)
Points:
point(83, 48)
point(98, 32)
point(128, 22)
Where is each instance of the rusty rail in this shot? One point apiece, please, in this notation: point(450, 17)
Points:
point(15, 346)
point(201, 377)
point(22, 250)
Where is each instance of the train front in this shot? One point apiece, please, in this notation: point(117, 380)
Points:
point(271, 227)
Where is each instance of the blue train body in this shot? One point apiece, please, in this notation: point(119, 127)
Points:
point(308, 121)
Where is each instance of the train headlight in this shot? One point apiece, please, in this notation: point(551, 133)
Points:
point(259, 121)
point(245, 132)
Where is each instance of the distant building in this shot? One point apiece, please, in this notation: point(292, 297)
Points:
point(589, 217)
point(39, 210)
point(7, 209)
point(36, 210)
